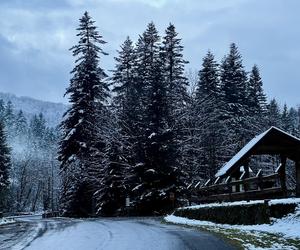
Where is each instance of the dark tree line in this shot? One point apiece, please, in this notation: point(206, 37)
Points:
point(145, 133)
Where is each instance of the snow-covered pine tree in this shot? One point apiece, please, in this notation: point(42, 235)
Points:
point(2, 109)
point(256, 97)
point(208, 113)
point(123, 77)
point(9, 118)
point(176, 86)
point(113, 189)
point(5, 164)
point(81, 142)
point(294, 121)
point(257, 103)
point(37, 130)
point(273, 114)
point(285, 119)
point(209, 83)
point(21, 124)
point(233, 87)
point(173, 71)
point(127, 99)
point(122, 142)
point(298, 120)
point(157, 174)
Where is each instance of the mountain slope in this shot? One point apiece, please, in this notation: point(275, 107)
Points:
point(53, 112)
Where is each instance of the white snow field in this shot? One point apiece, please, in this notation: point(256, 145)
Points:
point(107, 234)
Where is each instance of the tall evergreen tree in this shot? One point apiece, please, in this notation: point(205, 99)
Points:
point(126, 89)
point(81, 140)
point(233, 86)
point(2, 109)
point(273, 114)
point(294, 122)
point(209, 83)
point(233, 79)
point(5, 165)
point(255, 95)
point(208, 113)
point(21, 124)
point(173, 71)
point(176, 85)
point(9, 118)
point(157, 174)
point(286, 119)
point(110, 197)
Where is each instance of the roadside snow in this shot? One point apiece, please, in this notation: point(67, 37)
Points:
point(241, 203)
point(4, 221)
point(288, 226)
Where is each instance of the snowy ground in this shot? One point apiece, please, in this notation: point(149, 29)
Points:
point(34, 233)
point(280, 234)
point(4, 221)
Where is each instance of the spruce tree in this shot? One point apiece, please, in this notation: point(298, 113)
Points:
point(208, 113)
point(81, 140)
point(256, 102)
point(157, 173)
point(122, 147)
point(233, 87)
point(21, 123)
point(285, 119)
point(233, 78)
point(176, 88)
point(9, 119)
point(209, 83)
point(273, 114)
point(111, 195)
point(5, 165)
point(255, 95)
point(173, 70)
point(294, 121)
point(2, 109)
point(126, 100)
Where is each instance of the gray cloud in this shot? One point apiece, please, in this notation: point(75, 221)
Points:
point(35, 37)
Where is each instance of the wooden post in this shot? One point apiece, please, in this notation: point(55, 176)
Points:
point(247, 175)
point(298, 178)
point(282, 174)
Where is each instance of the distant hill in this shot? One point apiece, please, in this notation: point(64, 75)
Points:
point(52, 111)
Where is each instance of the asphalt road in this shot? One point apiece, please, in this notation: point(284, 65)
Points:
point(34, 233)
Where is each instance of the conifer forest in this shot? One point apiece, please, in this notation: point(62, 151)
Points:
point(134, 137)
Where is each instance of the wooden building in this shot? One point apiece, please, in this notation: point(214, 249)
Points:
point(236, 181)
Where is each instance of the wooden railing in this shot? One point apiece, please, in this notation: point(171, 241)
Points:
point(258, 187)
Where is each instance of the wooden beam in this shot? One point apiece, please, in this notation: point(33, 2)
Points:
point(298, 178)
point(282, 173)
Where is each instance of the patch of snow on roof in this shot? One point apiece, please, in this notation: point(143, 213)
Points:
point(241, 153)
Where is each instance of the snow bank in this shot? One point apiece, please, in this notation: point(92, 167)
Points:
point(288, 226)
point(4, 221)
point(241, 203)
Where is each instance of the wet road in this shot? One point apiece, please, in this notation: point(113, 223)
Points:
point(34, 233)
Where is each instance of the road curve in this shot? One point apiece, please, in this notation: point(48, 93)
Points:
point(106, 234)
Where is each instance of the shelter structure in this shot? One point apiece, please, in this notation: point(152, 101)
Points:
point(236, 180)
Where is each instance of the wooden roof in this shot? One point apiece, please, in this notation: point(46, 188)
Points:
point(274, 141)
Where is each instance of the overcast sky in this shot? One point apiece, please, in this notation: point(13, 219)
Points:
point(35, 36)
